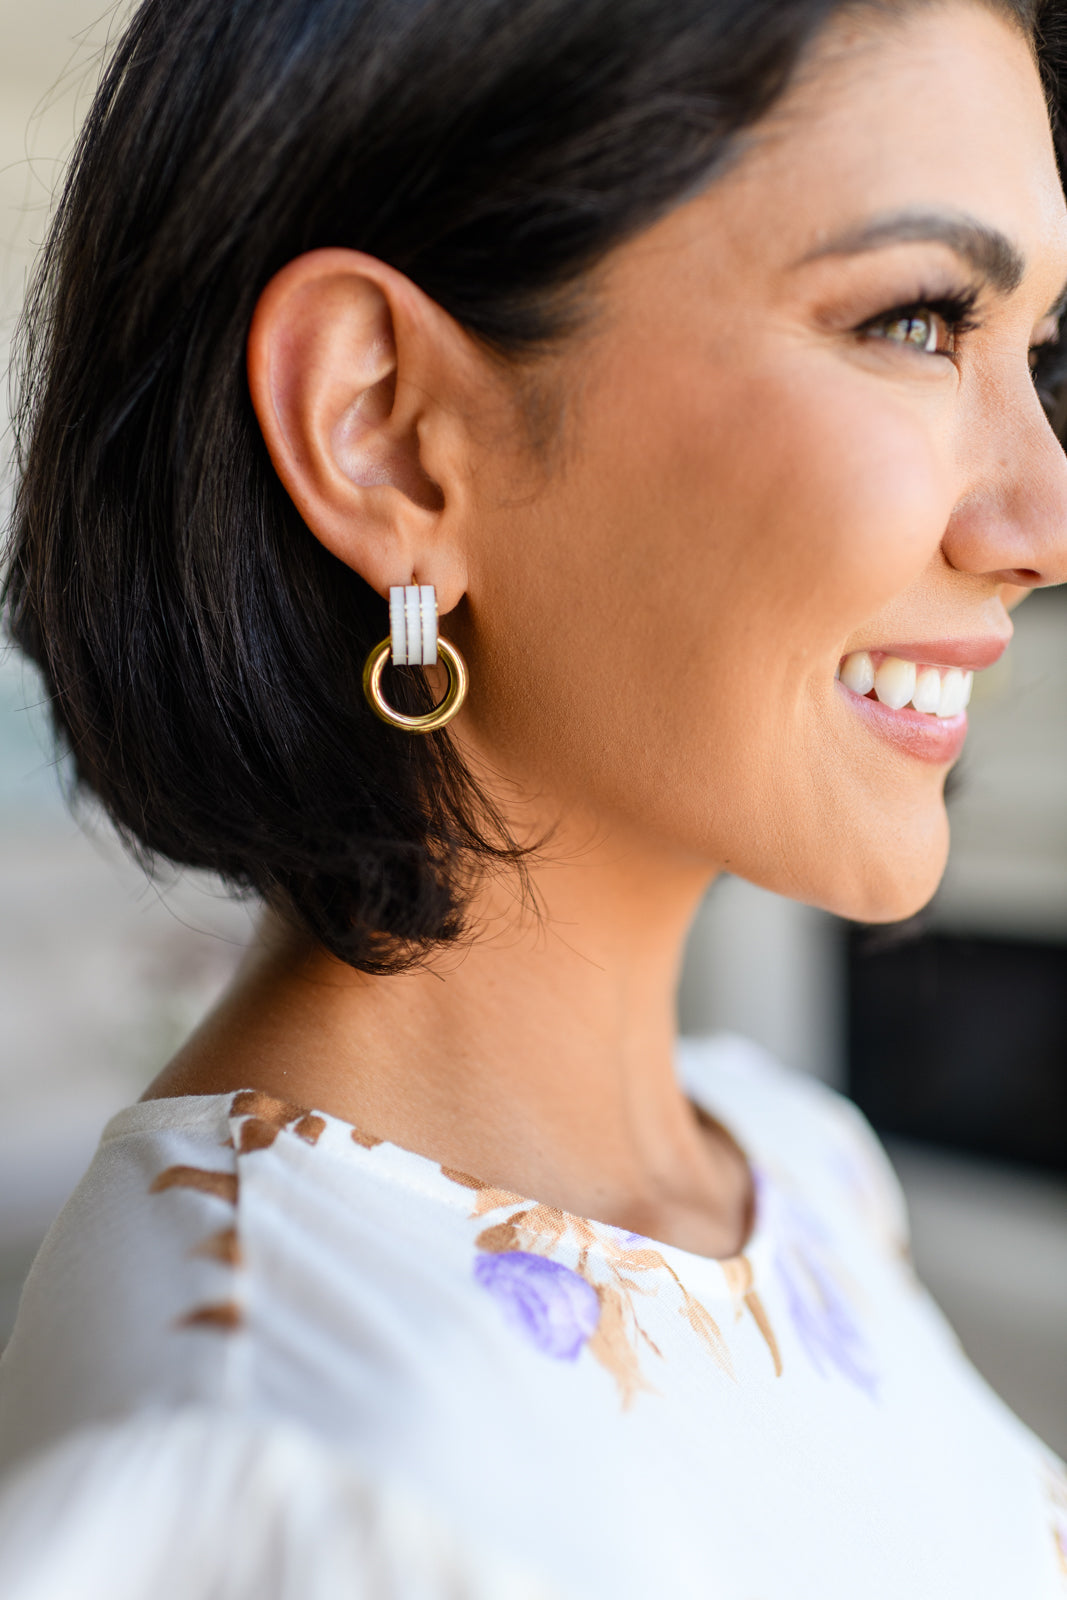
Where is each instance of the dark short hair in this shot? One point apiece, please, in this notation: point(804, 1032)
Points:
point(202, 653)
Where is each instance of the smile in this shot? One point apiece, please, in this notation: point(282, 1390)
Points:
point(935, 691)
point(917, 700)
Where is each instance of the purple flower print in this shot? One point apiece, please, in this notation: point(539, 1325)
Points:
point(820, 1313)
point(548, 1302)
point(824, 1322)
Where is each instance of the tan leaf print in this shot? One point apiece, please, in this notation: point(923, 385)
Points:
point(226, 1315)
point(368, 1140)
point(703, 1323)
point(265, 1107)
point(739, 1279)
point(487, 1198)
point(502, 1236)
point(638, 1260)
point(652, 1345)
point(737, 1271)
point(221, 1184)
point(267, 1117)
point(694, 1311)
point(310, 1127)
point(542, 1227)
point(633, 1269)
point(256, 1135)
point(762, 1321)
point(223, 1246)
point(464, 1179)
point(610, 1344)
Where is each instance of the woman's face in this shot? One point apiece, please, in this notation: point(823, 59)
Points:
point(800, 426)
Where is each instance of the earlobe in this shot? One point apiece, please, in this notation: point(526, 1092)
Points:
point(343, 425)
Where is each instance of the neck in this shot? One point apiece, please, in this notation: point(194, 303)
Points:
point(539, 1056)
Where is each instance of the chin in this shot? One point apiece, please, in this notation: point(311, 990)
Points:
point(895, 887)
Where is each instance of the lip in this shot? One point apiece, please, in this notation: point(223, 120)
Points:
point(969, 654)
point(936, 740)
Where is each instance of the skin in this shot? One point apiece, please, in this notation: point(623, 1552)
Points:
point(749, 478)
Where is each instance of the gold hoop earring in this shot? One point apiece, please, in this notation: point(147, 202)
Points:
point(414, 642)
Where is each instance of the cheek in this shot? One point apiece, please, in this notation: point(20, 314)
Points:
point(735, 532)
point(687, 584)
point(818, 497)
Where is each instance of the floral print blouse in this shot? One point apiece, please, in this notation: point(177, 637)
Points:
point(266, 1354)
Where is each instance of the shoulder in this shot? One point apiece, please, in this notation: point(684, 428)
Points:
point(140, 1293)
point(796, 1128)
point(238, 1251)
point(208, 1506)
point(138, 1249)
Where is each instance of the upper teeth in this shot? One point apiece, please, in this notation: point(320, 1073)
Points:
point(941, 691)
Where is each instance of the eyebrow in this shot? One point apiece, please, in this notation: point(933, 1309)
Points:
point(986, 250)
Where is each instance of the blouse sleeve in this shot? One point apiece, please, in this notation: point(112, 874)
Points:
point(196, 1505)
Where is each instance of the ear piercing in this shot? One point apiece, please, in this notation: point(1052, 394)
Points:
point(414, 642)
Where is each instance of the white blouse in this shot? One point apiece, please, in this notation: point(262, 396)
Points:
point(264, 1355)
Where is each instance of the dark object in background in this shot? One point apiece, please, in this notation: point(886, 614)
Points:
point(961, 1042)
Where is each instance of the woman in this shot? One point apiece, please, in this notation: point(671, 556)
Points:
point(680, 357)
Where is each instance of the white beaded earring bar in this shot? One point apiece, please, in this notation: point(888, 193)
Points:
point(414, 642)
point(413, 625)
point(398, 627)
point(428, 620)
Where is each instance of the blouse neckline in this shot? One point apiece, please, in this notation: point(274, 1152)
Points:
point(412, 1169)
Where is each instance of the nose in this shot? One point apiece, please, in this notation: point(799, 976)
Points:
point(1011, 524)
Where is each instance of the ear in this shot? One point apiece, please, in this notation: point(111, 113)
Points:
point(353, 373)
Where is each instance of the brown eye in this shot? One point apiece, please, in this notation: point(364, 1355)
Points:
point(919, 330)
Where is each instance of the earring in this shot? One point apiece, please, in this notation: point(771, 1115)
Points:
point(414, 642)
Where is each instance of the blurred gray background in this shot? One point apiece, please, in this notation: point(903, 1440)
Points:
point(102, 973)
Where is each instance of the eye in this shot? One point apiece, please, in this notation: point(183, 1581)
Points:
point(921, 329)
point(930, 326)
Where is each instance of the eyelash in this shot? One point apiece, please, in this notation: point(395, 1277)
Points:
point(956, 312)
point(1048, 358)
